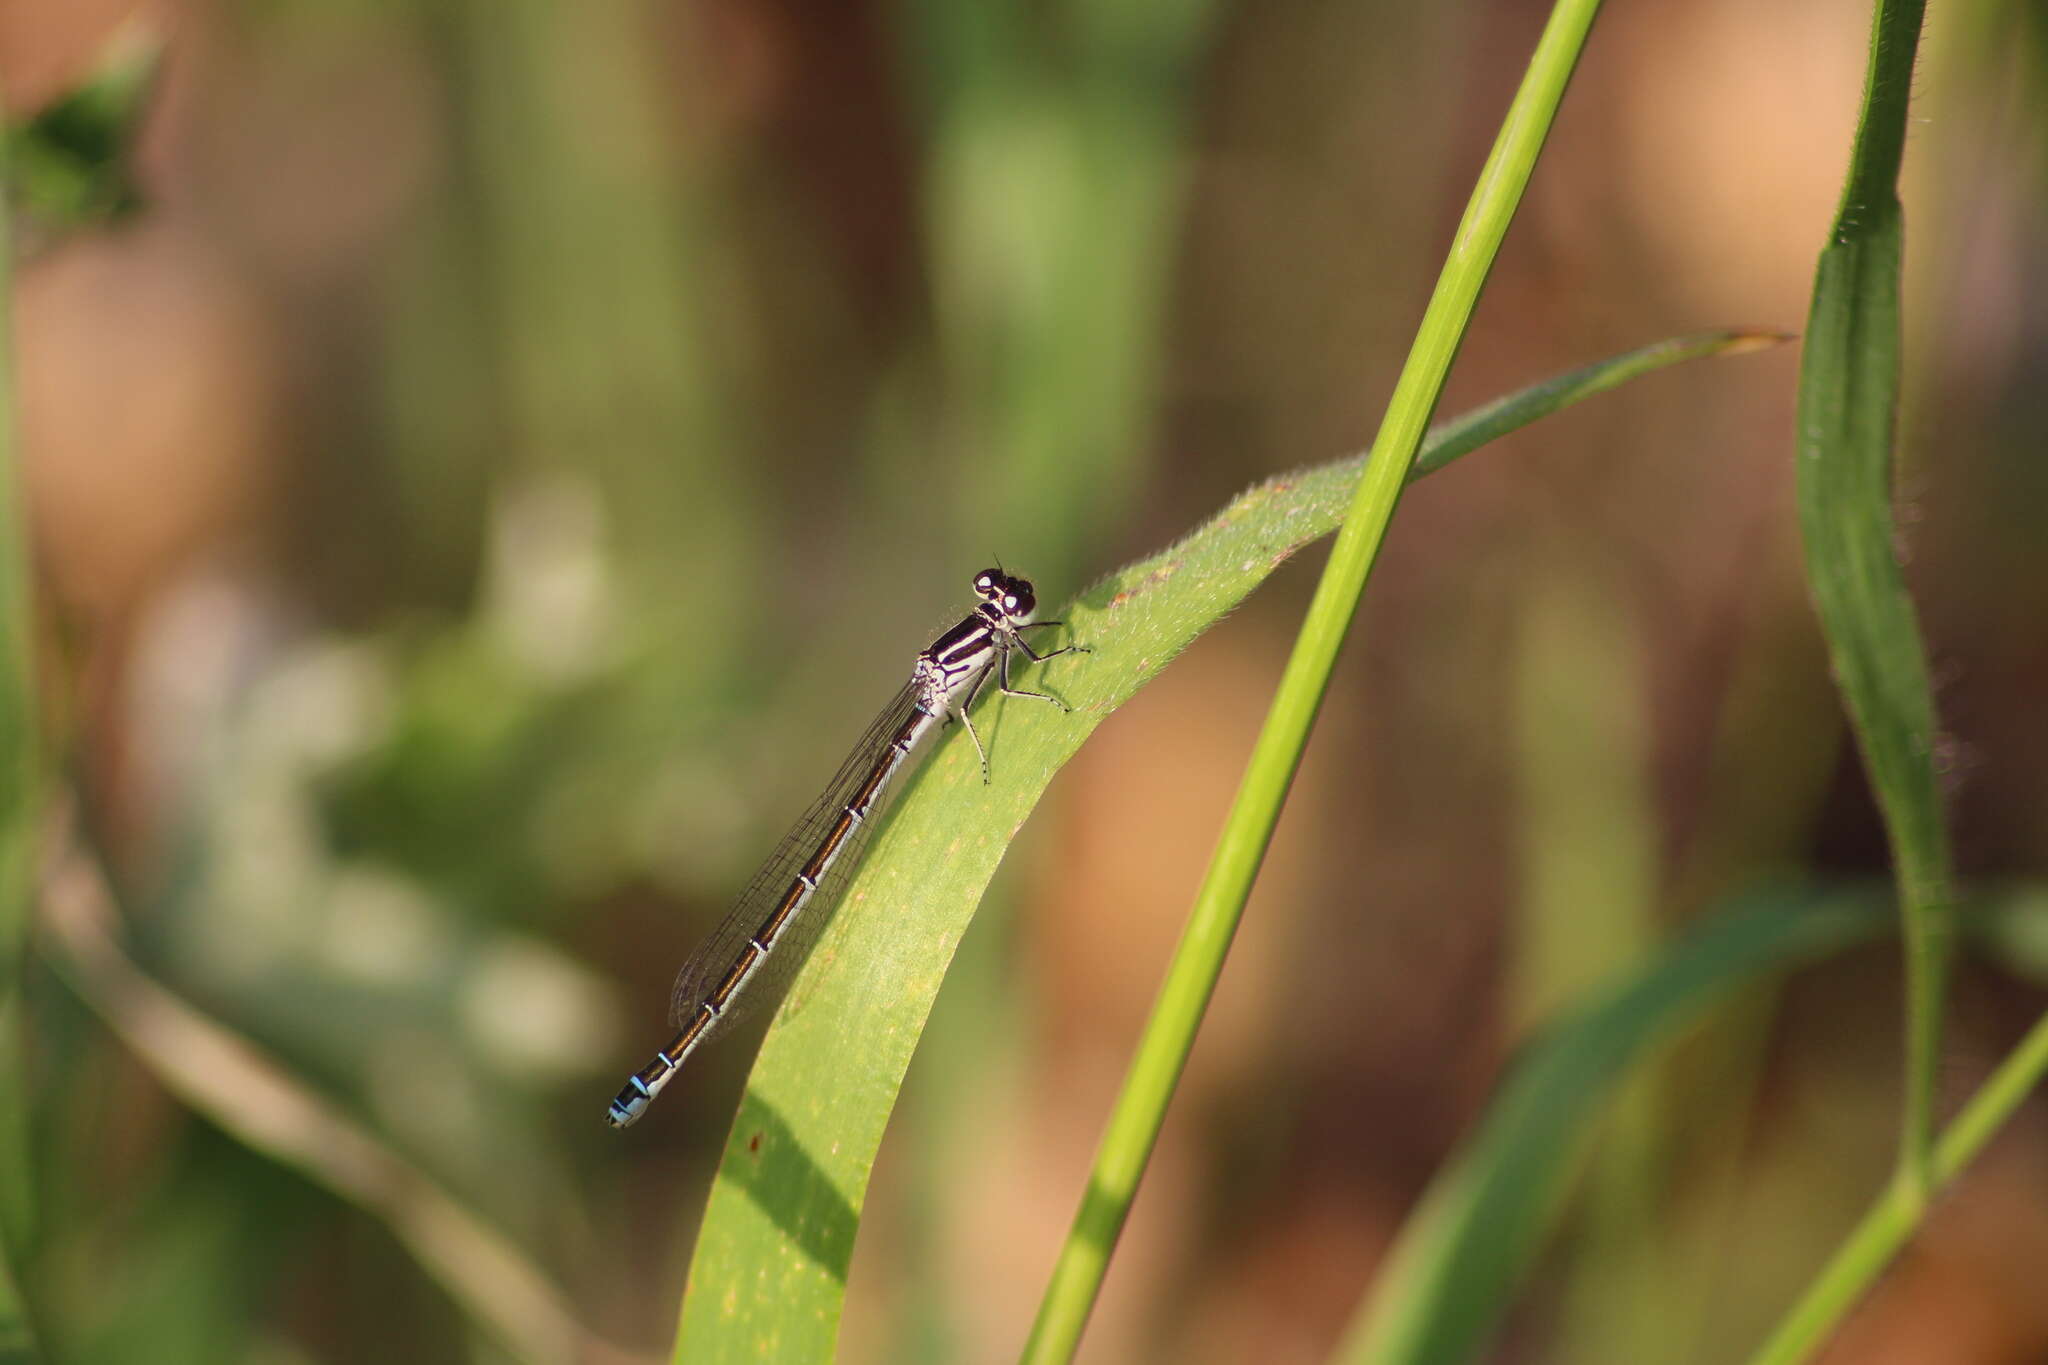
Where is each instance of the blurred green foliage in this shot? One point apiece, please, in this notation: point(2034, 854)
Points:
point(638, 385)
point(71, 165)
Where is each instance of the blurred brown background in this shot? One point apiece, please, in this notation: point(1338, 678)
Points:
point(486, 479)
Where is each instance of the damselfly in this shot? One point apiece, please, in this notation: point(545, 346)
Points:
point(769, 930)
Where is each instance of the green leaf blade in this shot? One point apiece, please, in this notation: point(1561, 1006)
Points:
point(770, 1263)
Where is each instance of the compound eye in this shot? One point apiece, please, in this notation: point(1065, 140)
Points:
point(1009, 601)
point(985, 581)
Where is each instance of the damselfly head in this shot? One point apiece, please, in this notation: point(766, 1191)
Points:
point(1010, 595)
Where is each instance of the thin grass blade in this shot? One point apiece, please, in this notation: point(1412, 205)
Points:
point(1848, 414)
point(1848, 408)
point(1169, 1034)
point(1452, 1273)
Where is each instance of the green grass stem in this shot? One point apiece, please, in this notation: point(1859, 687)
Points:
point(18, 821)
point(1163, 1048)
point(1898, 1212)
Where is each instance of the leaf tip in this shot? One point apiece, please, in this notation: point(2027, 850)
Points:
point(1762, 339)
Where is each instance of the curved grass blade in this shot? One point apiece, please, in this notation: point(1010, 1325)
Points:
point(1451, 1274)
point(769, 1270)
point(1848, 408)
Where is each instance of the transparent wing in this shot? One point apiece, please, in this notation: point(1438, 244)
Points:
point(714, 957)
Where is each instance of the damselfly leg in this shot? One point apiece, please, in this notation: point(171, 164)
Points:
point(1002, 671)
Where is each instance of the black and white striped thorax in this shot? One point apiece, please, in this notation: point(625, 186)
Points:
point(772, 925)
point(958, 661)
